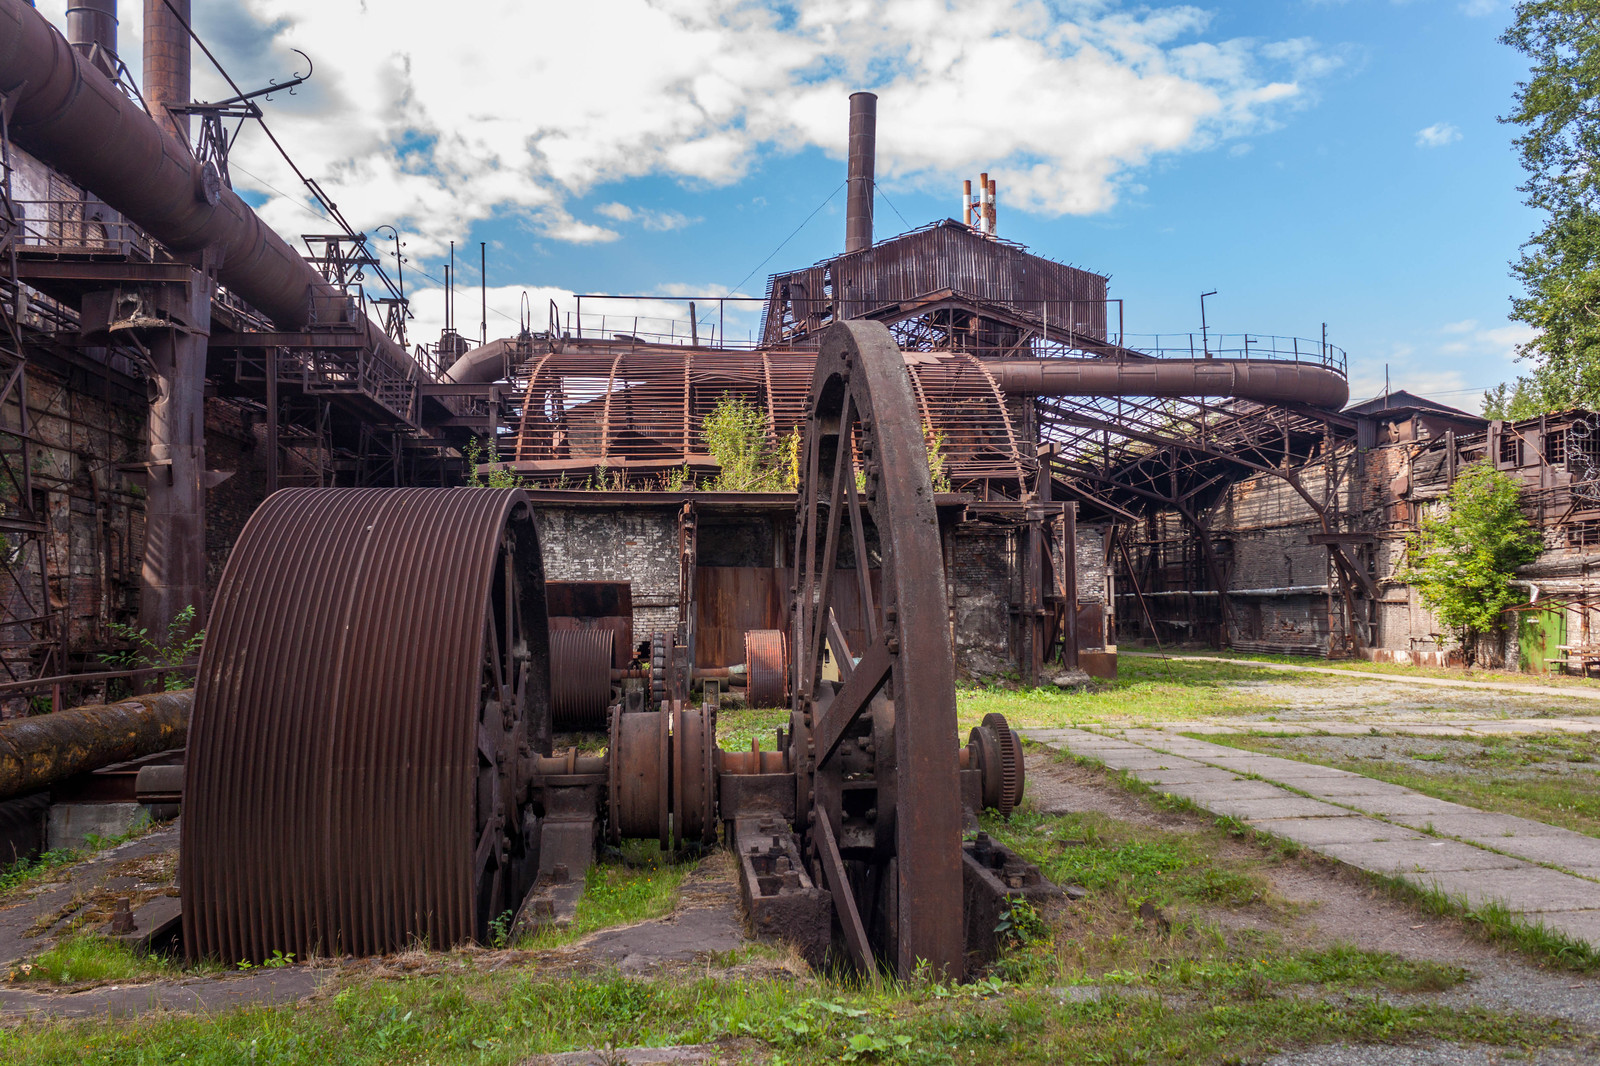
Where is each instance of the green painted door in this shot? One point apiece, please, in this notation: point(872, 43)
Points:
point(1540, 635)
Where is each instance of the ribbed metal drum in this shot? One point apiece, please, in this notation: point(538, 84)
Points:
point(580, 677)
point(373, 658)
point(766, 659)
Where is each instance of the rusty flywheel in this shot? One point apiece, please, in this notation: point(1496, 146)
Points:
point(878, 785)
point(375, 676)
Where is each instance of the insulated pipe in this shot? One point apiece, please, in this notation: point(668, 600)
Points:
point(73, 118)
point(37, 752)
point(863, 156)
point(1262, 380)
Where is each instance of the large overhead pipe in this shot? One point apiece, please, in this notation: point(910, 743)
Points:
point(73, 118)
point(863, 162)
point(1262, 380)
point(37, 752)
point(167, 62)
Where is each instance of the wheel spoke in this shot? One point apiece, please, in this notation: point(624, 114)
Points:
point(843, 470)
point(869, 610)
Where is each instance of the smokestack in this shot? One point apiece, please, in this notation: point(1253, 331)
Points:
point(989, 216)
point(166, 63)
point(863, 156)
point(91, 23)
point(966, 201)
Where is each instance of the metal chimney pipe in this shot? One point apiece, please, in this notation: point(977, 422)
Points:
point(166, 62)
point(863, 160)
point(966, 201)
point(90, 23)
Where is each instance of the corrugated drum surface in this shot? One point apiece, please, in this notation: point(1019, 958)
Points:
point(329, 797)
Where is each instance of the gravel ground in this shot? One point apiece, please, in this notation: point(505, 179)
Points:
point(1380, 699)
point(1429, 1055)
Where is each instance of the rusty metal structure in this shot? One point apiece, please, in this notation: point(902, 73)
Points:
point(348, 791)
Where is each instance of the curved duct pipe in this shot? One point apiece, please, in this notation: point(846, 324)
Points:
point(481, 365)
point(1262, 380)
point(70, 115)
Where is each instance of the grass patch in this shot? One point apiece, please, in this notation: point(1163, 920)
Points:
point(24, 873)
point(1150, 689)
point(1494, 779)
point(640, 886)
point(86, 959)
point(1397, 669)
point(737, 726)
point(483, 1018)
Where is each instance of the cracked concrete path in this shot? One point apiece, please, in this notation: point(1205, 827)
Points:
point(1542, 873)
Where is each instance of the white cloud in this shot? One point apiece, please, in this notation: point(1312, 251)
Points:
point(432, 119)
point(665, 317)
point(1437, 135)
point(1479, 8)
point(659, 221)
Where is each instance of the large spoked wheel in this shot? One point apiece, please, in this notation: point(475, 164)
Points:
point(879, 798)
point(376, 671)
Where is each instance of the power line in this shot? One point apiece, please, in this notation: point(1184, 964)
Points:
point(826, 200)
point(879, 190)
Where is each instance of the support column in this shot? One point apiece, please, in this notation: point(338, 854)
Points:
point(174, 566)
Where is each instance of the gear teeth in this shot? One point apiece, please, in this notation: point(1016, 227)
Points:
point(1011, 779)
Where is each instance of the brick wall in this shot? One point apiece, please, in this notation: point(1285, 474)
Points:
point(634, 545)
point(980, 587)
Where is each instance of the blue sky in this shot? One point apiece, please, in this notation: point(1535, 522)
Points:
point(1313, 162)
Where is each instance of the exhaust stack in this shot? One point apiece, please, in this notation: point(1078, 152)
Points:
point(92, 24)
point(863, 160)
point(166, 63)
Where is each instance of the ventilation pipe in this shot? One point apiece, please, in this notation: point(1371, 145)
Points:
point(863, 154)
point(91, 25)
point(166, 63)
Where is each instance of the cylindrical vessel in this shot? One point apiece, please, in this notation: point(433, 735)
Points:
point(91, 23)
point(862, 164)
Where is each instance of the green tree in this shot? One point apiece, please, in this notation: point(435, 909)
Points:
point(1463, 560)
point(1559, 108)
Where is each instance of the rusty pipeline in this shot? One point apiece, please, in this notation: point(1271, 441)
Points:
point(70, 115)
point(42, 750)
point(1262, 380)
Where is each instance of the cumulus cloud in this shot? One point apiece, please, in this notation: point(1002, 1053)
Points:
point(1437, 135)
point(659, 221)
point(433, 119)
